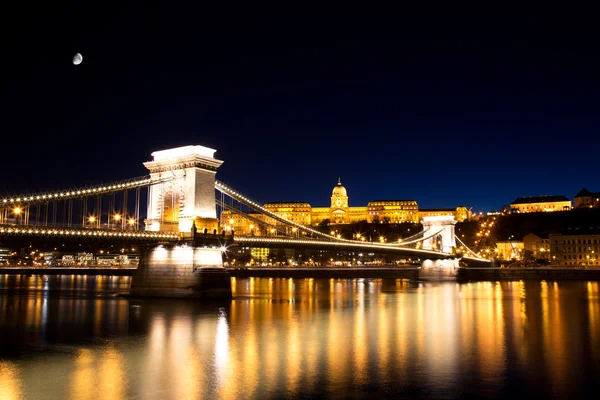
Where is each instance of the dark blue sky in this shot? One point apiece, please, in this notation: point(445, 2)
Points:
point(447, 108)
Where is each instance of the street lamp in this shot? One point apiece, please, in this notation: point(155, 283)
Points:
point(17, 212)
point(117, 218)
point(131, 222)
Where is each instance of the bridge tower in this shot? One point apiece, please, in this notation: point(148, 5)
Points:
point(175, 204)
point(443, 224)
point(185, 196)
point(439, 269)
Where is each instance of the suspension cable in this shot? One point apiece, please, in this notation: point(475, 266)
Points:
point(248, 216)
point(472, 252)
point(86, 191)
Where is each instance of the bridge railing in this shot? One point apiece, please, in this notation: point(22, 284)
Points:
point(85, 233)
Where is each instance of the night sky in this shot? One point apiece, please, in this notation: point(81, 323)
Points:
point(447, 108)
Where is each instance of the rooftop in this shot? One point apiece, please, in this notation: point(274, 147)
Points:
point(392, 201)
point(586, 193)
point(288, 203)
point(580, 230)
point(539, 199)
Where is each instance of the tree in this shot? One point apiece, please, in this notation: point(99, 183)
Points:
point(527, 260)
point(281, 256)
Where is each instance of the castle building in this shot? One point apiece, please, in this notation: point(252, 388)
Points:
point(393, 211)
point(540, 204)
point(460, 213)
point(338, 212)
point(587, 199)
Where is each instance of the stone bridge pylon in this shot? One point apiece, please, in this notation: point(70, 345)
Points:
point(189, 197)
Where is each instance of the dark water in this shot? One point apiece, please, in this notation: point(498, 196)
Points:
point(74, 338)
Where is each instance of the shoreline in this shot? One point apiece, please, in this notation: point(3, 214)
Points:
point(464, 274)
point(67, 271)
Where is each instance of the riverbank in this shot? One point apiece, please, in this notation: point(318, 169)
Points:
point(121, 271)
point(326, 273)
point(464, 274)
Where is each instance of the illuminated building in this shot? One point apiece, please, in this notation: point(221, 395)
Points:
point(587, 199)
point(540, 204)
point(393, 211)
point(575, 247)
point(260, 254)
point(460, 213)
point(539, 245)
point(297, 212)
point(338, 212)
point(4, 255)
point(509, 249)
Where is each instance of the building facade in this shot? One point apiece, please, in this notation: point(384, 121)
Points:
point(338, 212)
point(297, 212)
point(540, 204)
point(509, 249)
point(575, 247)
point(539, 245)
point(460, 213)
point(587, 199)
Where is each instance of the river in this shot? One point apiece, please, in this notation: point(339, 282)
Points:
point(77, 337)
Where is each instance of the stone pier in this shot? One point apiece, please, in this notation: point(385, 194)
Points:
point(439, 270)
point(181, 270)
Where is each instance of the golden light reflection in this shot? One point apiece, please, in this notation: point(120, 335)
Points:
point(360, 338)
point(83, 381)
point(383, 339)
point(593, 300)
point(182, 358)
point(112, 379)
point(10, 381)
point(155, 355)
point(293, 353)
point(224, 368)
point(249, 379)
point(297, 337)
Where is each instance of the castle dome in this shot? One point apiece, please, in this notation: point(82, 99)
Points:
point(339, 190)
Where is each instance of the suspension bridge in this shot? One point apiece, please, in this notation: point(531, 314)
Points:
point(183, 204)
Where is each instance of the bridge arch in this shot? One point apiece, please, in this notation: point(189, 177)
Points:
point(444, 226)
point(171, 203)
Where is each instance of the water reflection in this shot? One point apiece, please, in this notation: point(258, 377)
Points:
point(10, 381)
point(279, 338)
